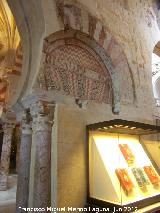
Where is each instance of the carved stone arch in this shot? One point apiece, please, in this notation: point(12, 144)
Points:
point(77, 66)
point(31, 44)
point(73, 15)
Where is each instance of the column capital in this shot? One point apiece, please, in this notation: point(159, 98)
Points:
point(18, 109)
point(8, 121)
point(8, 127)
point(26, 122)
point(42, 113)
point(43, 108)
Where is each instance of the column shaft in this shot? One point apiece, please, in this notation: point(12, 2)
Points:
point(24, 166)
point(5, 156)
point(18, 139)
point(42, 128)
point(42, 185)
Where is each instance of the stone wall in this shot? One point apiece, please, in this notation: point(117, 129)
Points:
point(127, 31)
point(72, 16)
point(134, 26)
point(73, 68)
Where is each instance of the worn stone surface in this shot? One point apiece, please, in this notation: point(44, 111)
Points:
point(22, 193)
point(42, 126)
point(107, 45)
point(74, 69)
point(5, 155)
point(98, 31)
point(18, 139)
point(42, 187)
point(125, 28)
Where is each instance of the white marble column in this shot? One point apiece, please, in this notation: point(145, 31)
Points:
point(42, 127)
point(5, 155)
point(24, 164)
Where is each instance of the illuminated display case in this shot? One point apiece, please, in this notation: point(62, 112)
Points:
point(123, 164)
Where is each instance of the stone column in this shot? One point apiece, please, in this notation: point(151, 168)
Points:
point(24, 164)
point(18, 139)
point(5, 155)
point(42, 127)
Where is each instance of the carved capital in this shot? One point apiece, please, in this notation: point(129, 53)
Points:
point(42, 114)
point(18, 109)
point(8, 127)
point(26, 123)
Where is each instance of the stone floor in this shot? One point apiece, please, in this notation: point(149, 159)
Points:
point(8, 198)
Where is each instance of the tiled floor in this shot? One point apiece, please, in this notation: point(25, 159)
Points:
point(8, 198)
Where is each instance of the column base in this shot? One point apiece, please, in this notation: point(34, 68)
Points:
point(3, 182)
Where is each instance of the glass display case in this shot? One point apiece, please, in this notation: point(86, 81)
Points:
point(123, 169)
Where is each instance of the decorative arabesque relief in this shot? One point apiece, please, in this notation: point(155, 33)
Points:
point(76, 69)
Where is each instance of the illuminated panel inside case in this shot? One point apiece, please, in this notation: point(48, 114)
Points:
point(120, 170)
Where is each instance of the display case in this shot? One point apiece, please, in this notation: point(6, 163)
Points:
point(121, 169)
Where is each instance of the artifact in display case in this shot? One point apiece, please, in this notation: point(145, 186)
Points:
point(127, 153)
point(121, 172)
point(153, 177)
point(125, 180)
point(140, 177)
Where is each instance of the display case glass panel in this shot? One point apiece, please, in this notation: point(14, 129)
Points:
point(121, 171)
